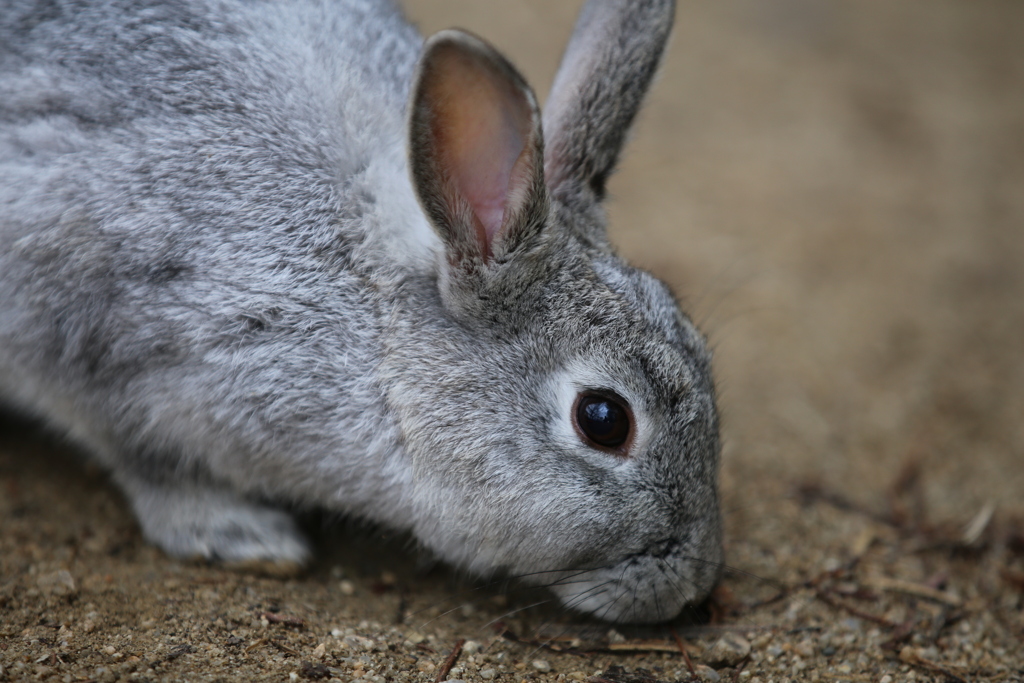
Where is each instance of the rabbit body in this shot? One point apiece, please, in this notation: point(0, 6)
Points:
point(234, 267)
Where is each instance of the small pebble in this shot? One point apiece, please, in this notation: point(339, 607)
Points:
point(615, 637)
point(346, 587)
point(729, 650)
point(359, 643)
point(57, 583)
point(706, 673)
point(488, 674)
point(541, 665)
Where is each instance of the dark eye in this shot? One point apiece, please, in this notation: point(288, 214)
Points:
point(603, 421)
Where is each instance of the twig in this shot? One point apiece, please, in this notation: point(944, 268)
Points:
point(617, 674)
point(910, 656)
point(174, 653)
point(739, 669)
point(902, 632)
point(281, 619)
point(628, 646)
point(442, 673)
point(917, 590)
point(976, 527)
point(941, 621)
point(829, 599)
point(812, 582)
point(255, 644)
point(682, 648)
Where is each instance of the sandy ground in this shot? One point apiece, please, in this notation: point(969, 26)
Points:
point(837, 192)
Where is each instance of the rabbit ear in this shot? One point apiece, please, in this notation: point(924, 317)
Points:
point(476, 149)
point(607, 67)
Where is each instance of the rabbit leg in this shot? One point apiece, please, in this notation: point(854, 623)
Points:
point(197, 520)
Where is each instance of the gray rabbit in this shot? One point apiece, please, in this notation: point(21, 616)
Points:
point(258, 253)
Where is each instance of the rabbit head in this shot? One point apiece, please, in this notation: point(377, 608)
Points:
point(556, 404)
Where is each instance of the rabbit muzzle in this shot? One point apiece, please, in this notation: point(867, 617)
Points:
point(651, 586)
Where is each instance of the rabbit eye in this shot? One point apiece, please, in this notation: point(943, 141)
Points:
point(603, 421)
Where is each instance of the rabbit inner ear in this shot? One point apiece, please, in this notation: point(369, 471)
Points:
point(475, 144)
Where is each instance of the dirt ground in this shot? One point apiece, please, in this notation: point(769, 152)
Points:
point(837, 192)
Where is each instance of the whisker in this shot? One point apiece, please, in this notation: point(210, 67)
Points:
point(508, 614)
point(504, 580)
point(690, 608)
point(570, 605)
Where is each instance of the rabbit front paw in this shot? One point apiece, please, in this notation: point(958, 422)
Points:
point(191, 521)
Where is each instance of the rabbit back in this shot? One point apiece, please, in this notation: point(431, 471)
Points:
point(191, 193)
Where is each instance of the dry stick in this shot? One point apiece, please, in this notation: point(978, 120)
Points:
point(281, 619)
point(932, 667)
point(915, 589)
point(902, 632)
point(812, 582)
point(913, 659)
point(284, 648)
point(255, 644)
point(631, 646)
point(739, 669)
point(682, 648)
point(175, 652)
point(939, 622)
point(450, 662)
point(829, 599)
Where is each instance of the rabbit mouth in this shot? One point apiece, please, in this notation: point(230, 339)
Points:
point(647, 587)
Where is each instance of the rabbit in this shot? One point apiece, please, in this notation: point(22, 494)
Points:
point(260, 256)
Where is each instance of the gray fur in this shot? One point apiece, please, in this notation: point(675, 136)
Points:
point(215, 274)
point(616, 43)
